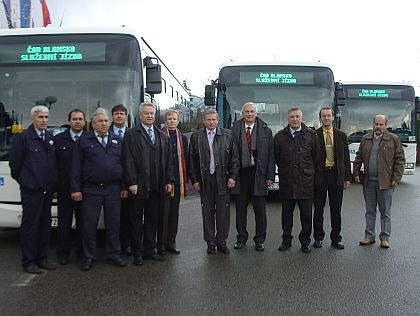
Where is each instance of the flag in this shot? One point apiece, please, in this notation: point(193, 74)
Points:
point(45, 13)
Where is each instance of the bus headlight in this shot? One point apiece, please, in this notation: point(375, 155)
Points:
point(409, 165)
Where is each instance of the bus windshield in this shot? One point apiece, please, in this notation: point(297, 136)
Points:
point(106, 73)
point(274, 90)
point(397, 103)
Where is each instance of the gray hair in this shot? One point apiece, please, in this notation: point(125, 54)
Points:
point(249, 103)
point(99, 111)
point(142, 105)
point(209, 112)
point(384, 116)
point(295, 109)
point(39, 109)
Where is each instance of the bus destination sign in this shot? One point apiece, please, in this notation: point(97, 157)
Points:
point(276, 78)
point(41, 53)
point(374, 93)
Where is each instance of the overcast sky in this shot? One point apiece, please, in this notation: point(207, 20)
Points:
point(360, 39)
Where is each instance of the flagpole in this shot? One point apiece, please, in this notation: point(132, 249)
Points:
point(6, 11)
point(62, 17)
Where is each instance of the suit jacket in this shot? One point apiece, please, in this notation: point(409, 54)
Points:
point(137, 160)
point(341, 157)
point(297, 160)
point(225, 154)
point(264, 161)
point(32, 160)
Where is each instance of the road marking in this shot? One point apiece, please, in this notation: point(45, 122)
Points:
point(25, 279)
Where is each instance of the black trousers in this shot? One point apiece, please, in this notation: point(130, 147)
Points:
point(92, 204)
point(335, 198)
point(305, 208)
point(168, 220)
point(144, 219)
point(247, 176)
point(36, 226)
point(66, 208)
point(215, 210)
point(124, 224)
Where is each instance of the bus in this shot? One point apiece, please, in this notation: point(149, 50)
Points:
point(274, 87)
point(66, 68)
point(395, 100)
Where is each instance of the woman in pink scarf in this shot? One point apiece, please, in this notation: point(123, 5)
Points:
point(168, 224)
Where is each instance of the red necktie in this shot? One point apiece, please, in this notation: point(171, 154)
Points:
point(248, 139)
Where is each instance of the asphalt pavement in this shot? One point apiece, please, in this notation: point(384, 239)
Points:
point(355, 281)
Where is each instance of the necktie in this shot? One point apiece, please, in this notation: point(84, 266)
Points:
point(212, 165)
point(329, 150)
point(151, 135)
point(248, 139)
point(296, 133)
point(42, 135)
point(76, 137)
point(120, 134)
point(103, 143)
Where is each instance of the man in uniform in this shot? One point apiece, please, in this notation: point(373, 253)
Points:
point(333, 176)
point(149, 176)
point(296, 153)
point(33, 166)
point(97, 181)
point(119, 120)
point(64, 144)
point(254, 141)
point(214, 167)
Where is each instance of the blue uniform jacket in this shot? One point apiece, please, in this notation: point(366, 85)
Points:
point(32, 160)
point(64, 145)
point(93, 166)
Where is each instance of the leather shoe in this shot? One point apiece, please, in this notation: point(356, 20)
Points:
point(211, 249)
point(161, 252)
point(86, 265)
point(118, 262)
point(239, 245)
point(173, 250)
point(337, 245)
point(223, 248)
point(126, 251)
point(259, 247)
point(46, 265)
point(285, 246)
point(34, 269)
point(306, 248)
point(63, 260)
point(317, 244)
point(384, 244)
point(154, 256)
point(138, 260)
point(366, 242)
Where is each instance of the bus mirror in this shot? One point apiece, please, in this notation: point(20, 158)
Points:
point(340, 98)
point(417, 104)
point(153, 76)
point(209, 95)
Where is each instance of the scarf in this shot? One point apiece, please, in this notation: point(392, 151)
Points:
point(181, 164)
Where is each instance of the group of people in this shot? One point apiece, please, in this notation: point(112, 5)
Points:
point(139, 175)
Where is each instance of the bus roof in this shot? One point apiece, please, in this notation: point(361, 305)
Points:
point(69, 30)
point(381, 83)
point(273, 63)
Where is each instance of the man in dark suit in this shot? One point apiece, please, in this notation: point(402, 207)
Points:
point(254, 141)
point(97, 181)
point(64, 144)
point(296, 150)
point(149, 176)
point(118, 127)
point(214, 167)
point(33, 166)
point(333, 176)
